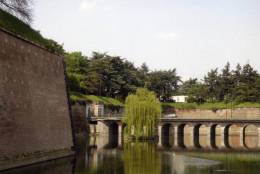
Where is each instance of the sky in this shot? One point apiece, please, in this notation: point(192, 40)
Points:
point(192, 36)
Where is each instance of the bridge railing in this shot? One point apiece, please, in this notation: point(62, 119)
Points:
point(108, 115)
point(169, 116)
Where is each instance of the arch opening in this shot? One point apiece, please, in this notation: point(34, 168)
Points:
point(226, 135)
point(167, 135)
point(213, 136)
point(204, 130)
point(221, 136)
point(113, 135)
point(180, 135)
point(196, 136)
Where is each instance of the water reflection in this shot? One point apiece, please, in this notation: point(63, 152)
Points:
point(233, 142)
point(145, 158)
point(141, 158)
point(102, 155)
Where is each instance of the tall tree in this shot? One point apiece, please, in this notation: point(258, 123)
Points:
point(142, 75)
point(111, 76)
point(226, 83)
point(246, 89)
point(163, 83)
point(213, 84)
point(19, 8)
point(186, 86)
point(196, 91)
point(76, 68)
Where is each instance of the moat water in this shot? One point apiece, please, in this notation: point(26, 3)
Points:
point(101, 156)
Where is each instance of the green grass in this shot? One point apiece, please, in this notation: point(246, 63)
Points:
point(19, 28)
point(205, 106)
point(92, 98)
point(16, 26)
point(211, 106)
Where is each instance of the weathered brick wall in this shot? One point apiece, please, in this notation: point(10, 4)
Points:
point(34, 114)
point(239, 113)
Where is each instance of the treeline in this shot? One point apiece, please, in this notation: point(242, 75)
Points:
point(113, 76)
point(241, 84)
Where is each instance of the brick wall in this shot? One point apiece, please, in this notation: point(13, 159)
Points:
point(34, 114)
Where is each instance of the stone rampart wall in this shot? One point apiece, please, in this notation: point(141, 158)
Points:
point(34, 114)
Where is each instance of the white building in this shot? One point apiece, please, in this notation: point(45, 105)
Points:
point(180, 98)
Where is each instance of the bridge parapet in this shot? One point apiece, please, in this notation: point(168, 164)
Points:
point(231, 114)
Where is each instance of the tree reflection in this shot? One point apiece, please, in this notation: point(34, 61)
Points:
point(141, 158)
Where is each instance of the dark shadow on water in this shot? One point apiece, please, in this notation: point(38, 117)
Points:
point(59, 166)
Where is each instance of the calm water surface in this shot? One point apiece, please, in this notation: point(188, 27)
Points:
point(100, 156)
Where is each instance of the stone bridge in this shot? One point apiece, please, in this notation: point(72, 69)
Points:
point(192, 133)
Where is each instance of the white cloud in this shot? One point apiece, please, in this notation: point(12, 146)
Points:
point(166, 36)
point(108, 8)
point(87, 5)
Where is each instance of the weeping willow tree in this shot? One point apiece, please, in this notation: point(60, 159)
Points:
point(142, 110)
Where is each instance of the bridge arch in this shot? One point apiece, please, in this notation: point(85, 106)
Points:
point(180, 135)
point(236, 136)
point(222, 135)
point(113, 133)
point(113, 128)
point(167, 134)
point(250, 136)
point(212, 135)
point(203, 136)
point(196, 135)
point(226, 135)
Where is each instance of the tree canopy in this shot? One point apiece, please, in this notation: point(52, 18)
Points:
point(19, 8)
point(116, 77)
point(163, 83)
point(113, 76)
point(238, 85)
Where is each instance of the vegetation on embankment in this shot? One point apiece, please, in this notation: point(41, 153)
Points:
point(210, 106)
point(18, 27)
point(75, 97)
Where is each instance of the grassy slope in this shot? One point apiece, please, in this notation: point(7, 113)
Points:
point(211, 106)
point(16, 26)
point(93, 98)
